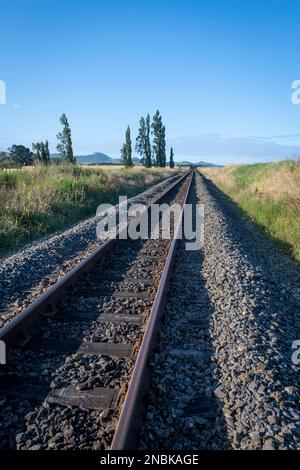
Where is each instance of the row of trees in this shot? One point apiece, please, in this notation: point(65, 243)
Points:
point(41, 152)
point(20, 155)
point(150, 146)
point(151, 153)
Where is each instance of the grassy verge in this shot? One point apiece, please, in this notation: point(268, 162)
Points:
point(37, 201)
point(269, 194)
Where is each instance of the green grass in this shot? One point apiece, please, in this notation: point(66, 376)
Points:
point(270, 195)
point(38, 201)
point(246, 175)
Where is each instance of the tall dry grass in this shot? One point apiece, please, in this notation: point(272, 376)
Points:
point(269, 193)
point(37, 201)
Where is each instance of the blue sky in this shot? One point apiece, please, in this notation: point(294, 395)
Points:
point(220, 71)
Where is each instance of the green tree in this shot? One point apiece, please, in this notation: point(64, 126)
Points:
point(126, 150)
point(148, 149)
point(143, 144)
point(21, 155)
point(5, 160)
point(64, 138)
point(47, 156)
point(36, 150)
point(41, 152)
point(172, 164)
point(159, 140)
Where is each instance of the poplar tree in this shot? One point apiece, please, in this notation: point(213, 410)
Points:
point(159, 140)
point(36, 150)
point(148, 150)
point(41, 152)
point(126, 150)
point(47, 152)
point(143, 144)
point(64, 138)
point(172, 164)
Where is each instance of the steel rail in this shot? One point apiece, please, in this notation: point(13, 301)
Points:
point(131, 416)
point(11, 332)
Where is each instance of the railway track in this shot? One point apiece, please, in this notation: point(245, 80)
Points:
point(78, 356)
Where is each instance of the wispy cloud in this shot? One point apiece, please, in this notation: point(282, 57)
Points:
point(16, 106)
point(228, 149)
point(279, 138)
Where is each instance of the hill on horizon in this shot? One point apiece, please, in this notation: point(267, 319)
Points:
point(99, 158)
point(200, 163)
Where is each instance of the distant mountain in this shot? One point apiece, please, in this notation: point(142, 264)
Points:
point(99, 158)
point(196, 164)
point(207, 164)
point(96, 158)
